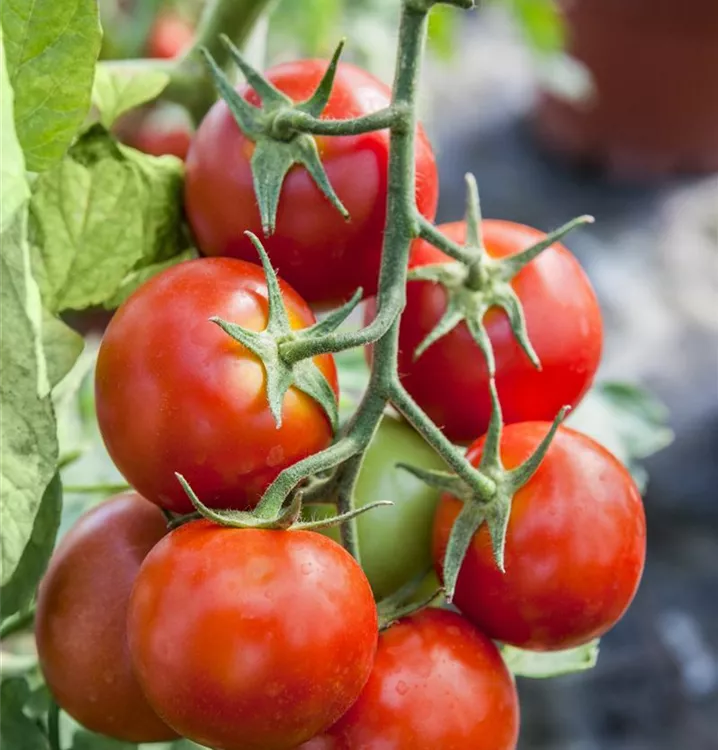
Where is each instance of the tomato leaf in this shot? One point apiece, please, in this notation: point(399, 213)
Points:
point(62, 347)
point(14, 190)
point(114, 93)
point(19, 591)
point(138, 277)
point(550, 664)
point(541, 24)
point(443, 23)
point(102, 212)
point(626, 419)
point(27, 422)
point(84, 740)
point(51, 50)
point(17, 729)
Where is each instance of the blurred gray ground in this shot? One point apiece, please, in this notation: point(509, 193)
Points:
point(653, 257)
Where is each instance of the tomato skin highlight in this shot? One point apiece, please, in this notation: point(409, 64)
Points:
point(437, 682)
point(575, 548)
point(80, 625)
point(324, 257)
point(242, 640)
point(175, 393)
point(564, 326)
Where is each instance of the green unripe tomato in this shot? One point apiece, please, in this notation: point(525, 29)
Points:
point(394, 541)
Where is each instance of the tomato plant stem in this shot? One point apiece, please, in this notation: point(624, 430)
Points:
point(53, 726)
point(432, 234)
point(404, 224)
point(190, 82)
point(294, 119)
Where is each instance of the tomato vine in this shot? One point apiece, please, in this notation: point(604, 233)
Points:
point(236, 438)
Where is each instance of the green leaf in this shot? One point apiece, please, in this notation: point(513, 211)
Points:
point(136, 278)
point(443, 23)
point(84, 740)
point(102, 212)
point(62, 347)
point(627, 420)
point(51, 47)
point(550, 664)
point(541, 24)
point(311, 23)
point(14, 190)
point(17, 729)
point(27, 423)
point(114, 93)
point(19, 591)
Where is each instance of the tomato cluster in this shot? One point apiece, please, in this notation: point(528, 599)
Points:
point(269, 638)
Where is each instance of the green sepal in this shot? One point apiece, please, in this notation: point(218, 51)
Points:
point(243, 519)
point(275, 152)
point(319, 99)
point(338, 520)
point(440, 480)
point(281, 375)
point(476, 511)
point(474, 287)
point(334, 319)
point(246, 115)
point(403, 602)
point(267, 91)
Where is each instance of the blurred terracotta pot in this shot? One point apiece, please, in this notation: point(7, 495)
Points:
point(654, 108)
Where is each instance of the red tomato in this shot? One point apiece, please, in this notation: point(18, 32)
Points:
point(251, 639)
point(165, 129)
point(575, 547)
point(564, 325)
point(80, 626)
point(177, 394)
point(170, 35)
point(323, 256)
point(437, 683)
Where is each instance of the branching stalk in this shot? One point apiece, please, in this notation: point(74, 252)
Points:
point(190, 82)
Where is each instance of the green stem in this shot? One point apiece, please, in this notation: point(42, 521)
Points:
point(432, 234)
point(292, 120)
point(17, 622)
point(279, 490)
point(190, 82)
point(402, 227)
point(294, 351)
point(483, 485)
point(53, 726)
point(345, 504)
point(388, 617)
point(97, 489)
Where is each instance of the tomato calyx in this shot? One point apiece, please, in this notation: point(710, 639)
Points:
point(476, 282)
point(493, 511)
point(283, 374)
point(403, 602)
point(264, 517)
point(277, 148)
